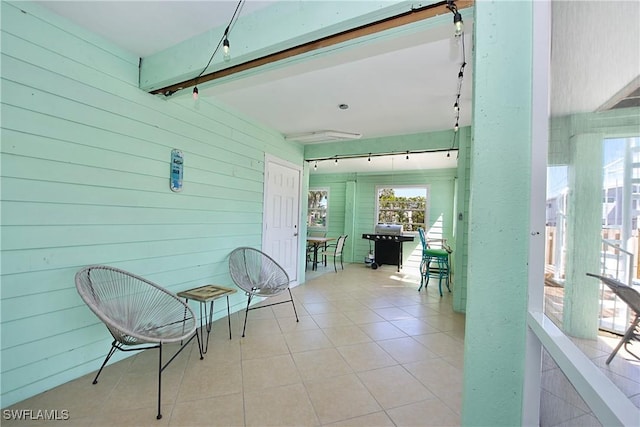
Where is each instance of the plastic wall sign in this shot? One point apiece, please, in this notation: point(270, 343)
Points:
point(177, 160)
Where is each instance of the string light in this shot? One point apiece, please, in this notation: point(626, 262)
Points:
point(224, 41)
point(457, 18)
point(459, 32)
point(226, 54)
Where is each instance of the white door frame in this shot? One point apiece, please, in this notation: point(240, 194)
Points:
point(268, 160)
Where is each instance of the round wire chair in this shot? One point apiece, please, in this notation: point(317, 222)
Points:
point(258, 275)
point(136, 312)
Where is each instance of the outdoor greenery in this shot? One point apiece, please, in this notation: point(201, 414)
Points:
point(318, 200)
point(408, 211)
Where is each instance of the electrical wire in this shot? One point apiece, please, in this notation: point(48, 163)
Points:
point(227, 30)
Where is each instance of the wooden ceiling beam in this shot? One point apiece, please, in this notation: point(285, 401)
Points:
point(408, 17)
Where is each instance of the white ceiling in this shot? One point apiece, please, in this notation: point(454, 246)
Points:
point(396, 86)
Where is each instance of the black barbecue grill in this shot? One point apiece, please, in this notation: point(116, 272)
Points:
point(388, 239)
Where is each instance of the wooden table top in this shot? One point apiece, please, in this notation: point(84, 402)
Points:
point(206, 293)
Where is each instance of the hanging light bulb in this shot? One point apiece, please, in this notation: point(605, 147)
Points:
point(407, 155)
point(457, 22)
point(315, 166)
point(195, 93)
point(336, 162)
point(369, 157)
point(456, 107)
point(226, 54)
point(448, 154)
point(455, 128)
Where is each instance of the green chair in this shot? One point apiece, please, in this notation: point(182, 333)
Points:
point(434, 263)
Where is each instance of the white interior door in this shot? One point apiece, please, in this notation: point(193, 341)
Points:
point(280, 233)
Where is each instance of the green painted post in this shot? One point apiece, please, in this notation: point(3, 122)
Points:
point(494, 368)
point(584, 239)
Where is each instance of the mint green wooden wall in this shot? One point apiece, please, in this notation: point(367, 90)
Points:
point(85, 179)
point(450, 189)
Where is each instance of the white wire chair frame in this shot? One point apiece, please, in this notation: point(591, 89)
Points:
point(137, 312)
point(258, 275)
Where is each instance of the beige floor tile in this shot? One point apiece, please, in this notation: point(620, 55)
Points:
point(257, 346)
point(382, 331)
point(225, 410)
point(406, 349)
point(441, 344)
point(318, 364)
point(378, 419)
point(346, 335)
point(394, 386)
point(392, 313)
point(425, 413)
point(331, 320)
point(207, 380)
point(269, 372)
point(413, 326)
point(304, 323)
point(139, 417)
point(435, 373)
point(320, 308)
point(366, 356)
point(363, 316)
point(340, 398)
point(279, 406)
point(307, 340)
point(262, 326)
point(344, 303)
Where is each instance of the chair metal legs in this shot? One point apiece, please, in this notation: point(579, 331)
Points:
point(115, 345)
point(441, 270)
point(250, 297)
point(632, 333)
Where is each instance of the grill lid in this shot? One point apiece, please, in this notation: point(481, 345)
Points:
point(389, 229)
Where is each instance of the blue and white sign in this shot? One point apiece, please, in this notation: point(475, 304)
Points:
point(177, 161)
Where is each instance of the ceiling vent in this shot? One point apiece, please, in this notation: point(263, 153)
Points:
point(322, 136)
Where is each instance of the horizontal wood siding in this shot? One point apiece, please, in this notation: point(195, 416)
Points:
point(440, 182)
point(85, 180)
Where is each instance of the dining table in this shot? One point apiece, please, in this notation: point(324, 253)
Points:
point(317, 242)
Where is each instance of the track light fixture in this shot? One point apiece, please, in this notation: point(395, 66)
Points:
point(368, 156)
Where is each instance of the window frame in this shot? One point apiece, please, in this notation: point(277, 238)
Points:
point(425, 187)
point(311, 227)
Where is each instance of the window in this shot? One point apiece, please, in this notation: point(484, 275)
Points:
point(406, 205)
point(318, 203)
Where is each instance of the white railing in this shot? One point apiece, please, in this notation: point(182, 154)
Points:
point(617, 263)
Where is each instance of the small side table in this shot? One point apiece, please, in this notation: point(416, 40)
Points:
point(205, 294)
